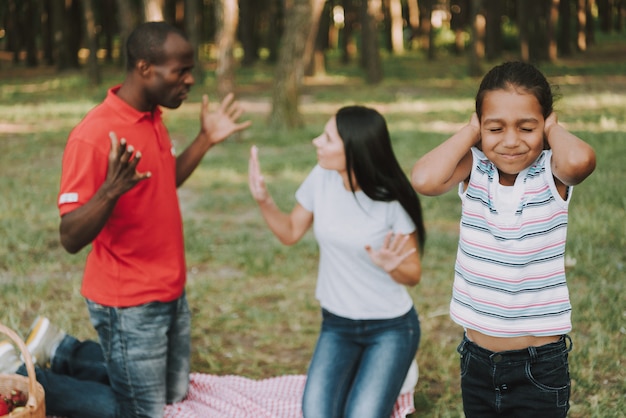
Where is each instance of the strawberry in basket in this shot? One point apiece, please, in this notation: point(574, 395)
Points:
point(9, 402)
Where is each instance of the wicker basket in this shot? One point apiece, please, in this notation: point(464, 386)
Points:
point(36, 405)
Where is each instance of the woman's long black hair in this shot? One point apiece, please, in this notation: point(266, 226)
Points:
point(370, 156)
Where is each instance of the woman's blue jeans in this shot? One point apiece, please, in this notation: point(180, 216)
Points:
point(147, 354)
point(359, 366)
point(533, 382)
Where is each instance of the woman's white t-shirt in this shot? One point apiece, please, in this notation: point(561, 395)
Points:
point(349, 284)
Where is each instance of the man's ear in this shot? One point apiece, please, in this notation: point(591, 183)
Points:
point(144, 68)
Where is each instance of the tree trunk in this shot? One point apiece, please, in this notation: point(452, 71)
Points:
point(493, 29)
point(68, 33)
point(581, 26)
point(317, 6)
point(277, 26)
point(316, 65)
point(537, 35)
point(192, 28)
point(107, 11)
point(565, 28)
point(226, 18)
point(290, 67)
point(620, 11)
point(385, 24)
point(346, 41)
point(605, 11)
point(61, 52)
point(589, 30)
point(153, 10)
point(92, 40)
point(397, 27)
point(32, 18)
point(425, 31)
point(171, 13)
point(460, 15)
point(553, 18)
point(247, 32)
point(522, 24)
point(432, 48)
point(369, 49)
point(13, 32)
point(127, 22)
point(413, 18)
point(477, 52)
point(47, 33)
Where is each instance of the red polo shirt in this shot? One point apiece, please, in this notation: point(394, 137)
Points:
point(138, 257)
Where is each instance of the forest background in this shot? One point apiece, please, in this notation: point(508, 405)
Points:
point(292, 64)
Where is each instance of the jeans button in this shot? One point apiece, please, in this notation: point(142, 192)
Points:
point(497, 358)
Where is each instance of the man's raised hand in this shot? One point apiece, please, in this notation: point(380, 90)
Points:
point(219, 125)
point(122, 174)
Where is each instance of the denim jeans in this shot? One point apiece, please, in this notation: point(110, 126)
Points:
point(533, 382)
point(76, 384)
point(358, 366)
point(146, 350)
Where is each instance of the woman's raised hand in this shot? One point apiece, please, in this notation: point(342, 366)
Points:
point(392, 253)
point(256, 182)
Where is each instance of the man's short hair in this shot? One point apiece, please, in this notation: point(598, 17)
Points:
point(146, 42)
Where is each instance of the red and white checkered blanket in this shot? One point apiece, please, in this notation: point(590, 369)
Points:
point(213, 396)
point(240, 397)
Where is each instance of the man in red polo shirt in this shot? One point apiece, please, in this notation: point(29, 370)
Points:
point(118, 192)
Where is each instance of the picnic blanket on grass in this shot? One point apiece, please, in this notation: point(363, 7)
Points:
point(236, 396)
point(213, 396)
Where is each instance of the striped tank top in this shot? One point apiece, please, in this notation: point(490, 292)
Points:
point(510, 268)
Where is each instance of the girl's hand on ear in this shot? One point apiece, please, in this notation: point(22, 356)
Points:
point(392, 253)
point(550, 122)
point(475, 124)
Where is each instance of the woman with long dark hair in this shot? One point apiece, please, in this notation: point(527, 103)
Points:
point(369, 227)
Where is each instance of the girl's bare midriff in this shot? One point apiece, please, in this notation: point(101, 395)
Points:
point(497, 344)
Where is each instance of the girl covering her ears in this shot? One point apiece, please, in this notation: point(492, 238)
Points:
point(368, 224)
point(514, 166)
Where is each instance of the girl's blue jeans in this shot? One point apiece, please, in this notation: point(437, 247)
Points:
point(359, 366)
point(533, 382)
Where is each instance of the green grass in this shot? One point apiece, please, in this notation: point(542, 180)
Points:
point(253, 302)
